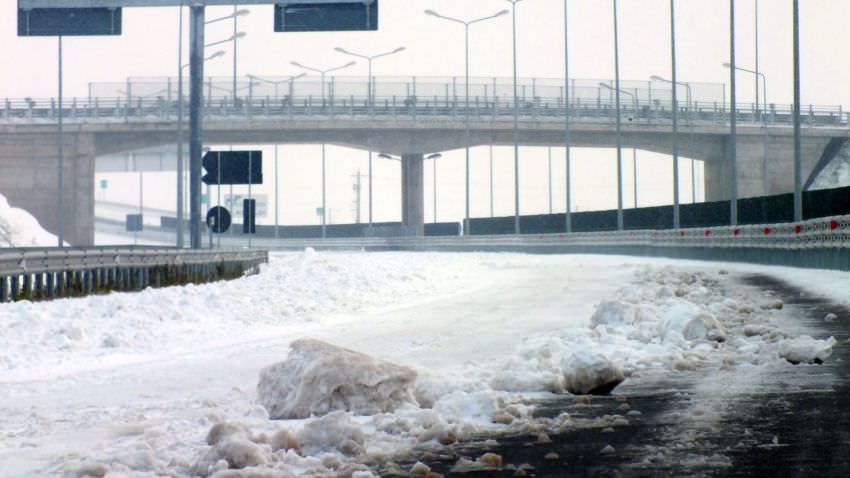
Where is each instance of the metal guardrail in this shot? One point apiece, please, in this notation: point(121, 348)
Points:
point(821, 243)
point(34, 274)
point(412, 101)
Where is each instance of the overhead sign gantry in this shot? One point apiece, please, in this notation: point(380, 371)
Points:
point(103, 17)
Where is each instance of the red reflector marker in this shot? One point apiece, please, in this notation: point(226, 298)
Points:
point(833, 225)
point(766, 231)
point(798, 229)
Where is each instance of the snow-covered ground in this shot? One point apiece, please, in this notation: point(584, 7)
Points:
point(18, 228)
point(131, 384)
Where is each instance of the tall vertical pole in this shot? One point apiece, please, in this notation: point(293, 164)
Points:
point(466, 225)
point(675, 84)
point(619, 125)
point(60, 193)
point(550, 178)
point(435, 190)
point(798, 151)
point(757, 57)
point(634, 175)
point(196, 85)
point(491, 180)
point(276, 196)
point(235, 28)
point(733, 118)
point(369, 96)
point(324, 204)
point(516, 127)
point(181, 175)
point(567, 124)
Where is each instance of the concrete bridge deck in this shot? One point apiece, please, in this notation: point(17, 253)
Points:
point(400, 119)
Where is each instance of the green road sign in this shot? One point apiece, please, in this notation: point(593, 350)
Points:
point(104, 184)
point(320, 211)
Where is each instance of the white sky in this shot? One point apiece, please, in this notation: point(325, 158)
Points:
point(435, 48)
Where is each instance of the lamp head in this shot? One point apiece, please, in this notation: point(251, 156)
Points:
point(503, 12)
point(242, 12)
point(656, 78)
point(432, 13)
point(240, 35)
point(400, 49)
point(727, 65)
point(434, 156)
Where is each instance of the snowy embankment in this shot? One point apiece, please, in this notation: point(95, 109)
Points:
point(50, 339)
point(18, 228)
point(461, 345)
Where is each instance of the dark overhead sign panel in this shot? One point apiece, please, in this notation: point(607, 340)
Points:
point(69, 21)
point(326, 15)
point(233, 167)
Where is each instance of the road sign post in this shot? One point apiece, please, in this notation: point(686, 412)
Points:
point(103, 17)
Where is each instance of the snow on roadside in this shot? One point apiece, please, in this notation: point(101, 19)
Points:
point(666, 320)
point(43, 340)
point(18, 228)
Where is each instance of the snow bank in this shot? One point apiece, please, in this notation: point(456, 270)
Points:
point(589, 372)
point(18, 228)
point(45, 340)
point(317, 378)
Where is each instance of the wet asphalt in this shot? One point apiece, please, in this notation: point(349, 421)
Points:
point(789, 430)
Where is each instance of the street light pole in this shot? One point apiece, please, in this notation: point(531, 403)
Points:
point(466, 25)
point(491, 180)
point(324, 147)
point(798, 151)
point(516, 121)
point(196, 73)
point(369, 97)
point(60, 216)
point(762, 113)
point(619, 121)
point(733, 118)
point(674, 74)
point(567, 124)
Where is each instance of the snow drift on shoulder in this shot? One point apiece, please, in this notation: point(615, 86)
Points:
point(18, 228)
point(318, 378)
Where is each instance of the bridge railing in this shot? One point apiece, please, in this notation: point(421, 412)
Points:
point(349, 98)
point(46, 273)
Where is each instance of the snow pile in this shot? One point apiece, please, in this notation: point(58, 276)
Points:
point(18, 228)
point(296, 291)
point(806, 349)
point(587, 372)
point(317, 378)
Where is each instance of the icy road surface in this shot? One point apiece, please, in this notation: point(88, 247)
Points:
point(132, 382)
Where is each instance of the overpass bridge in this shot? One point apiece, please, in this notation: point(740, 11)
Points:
point(404, 116)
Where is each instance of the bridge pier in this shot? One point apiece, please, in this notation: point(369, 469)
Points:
point(29, 181)
point(779, 169)
point(413, 192)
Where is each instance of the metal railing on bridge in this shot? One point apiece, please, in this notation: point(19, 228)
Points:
point(47, 273)
point(141, 100)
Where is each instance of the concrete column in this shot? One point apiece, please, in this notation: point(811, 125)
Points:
point(780, 166)
point(413, 192)
point(29, 182)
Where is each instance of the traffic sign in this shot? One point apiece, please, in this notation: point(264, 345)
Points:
point(218, 219)
point(326, 15)
point(104, 184)
point(134, 223)
point(249, 216)
point(320, 211)
point(233, 167)
point(68, 21)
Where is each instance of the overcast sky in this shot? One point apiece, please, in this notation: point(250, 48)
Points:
point(435, 48)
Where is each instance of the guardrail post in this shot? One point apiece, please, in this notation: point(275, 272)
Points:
point(3, 294)
point(15, 287)
point(39, 288)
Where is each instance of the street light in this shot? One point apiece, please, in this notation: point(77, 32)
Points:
point(763, 113)
point(619, 120)
point(466, 24)
point(617, 91)
point(369, 60)
point(229, 39)
point(276, 84)
point(323, 72)
point(764, 90)
point(516, 121)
